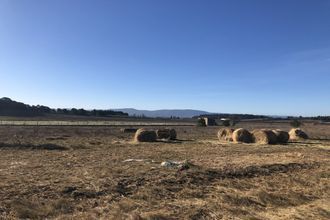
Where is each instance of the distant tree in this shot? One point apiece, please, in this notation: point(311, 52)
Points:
point(201, 122)
point(74, 111)
point(65, 111)
point(322, 118)
point(226, 123)
point(9, 107)
point(295, 123)
point(82, 112)
point(234, 121)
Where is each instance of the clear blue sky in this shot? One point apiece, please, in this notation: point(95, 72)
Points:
point(257, 56)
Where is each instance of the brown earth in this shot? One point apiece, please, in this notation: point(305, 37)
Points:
point(81, 173)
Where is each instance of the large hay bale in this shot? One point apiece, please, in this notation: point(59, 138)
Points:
point(128, 130)
point(242, 135)
point(166, 133)
point(297, 134)
point(264, 136)
point(281, 136)
point(143, 135)
point(173, 134)
point(225, 134)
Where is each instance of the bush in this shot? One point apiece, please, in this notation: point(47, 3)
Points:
point(226, 123)
point(234, 122)
point(201, 122)
point(295, 123)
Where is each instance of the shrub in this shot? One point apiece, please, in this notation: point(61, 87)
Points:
point(226, 123)
point(234, 122)
point(201, 122)
point(295, 123)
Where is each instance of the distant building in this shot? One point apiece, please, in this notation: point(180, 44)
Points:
point(209, 121)
point(225, 119)
point(226, 122)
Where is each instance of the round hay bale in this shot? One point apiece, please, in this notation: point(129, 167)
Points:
point(166, 133)
point(143, 135)
point(242, 135)
point(225, 134)
point(173, 134)
point(264, 136)
point(128, 130)
point(281, 136)
point(163, 133)
point(297, 134)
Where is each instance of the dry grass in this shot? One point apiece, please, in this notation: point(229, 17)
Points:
point(84, 176)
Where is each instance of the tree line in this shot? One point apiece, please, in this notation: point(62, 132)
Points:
point(9, 107)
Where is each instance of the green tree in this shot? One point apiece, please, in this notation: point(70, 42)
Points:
point(226, 123)
point(295, 123)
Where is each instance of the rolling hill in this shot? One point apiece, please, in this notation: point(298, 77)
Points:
point(164, 113)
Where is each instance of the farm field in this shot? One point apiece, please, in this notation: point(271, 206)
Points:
point(98, 172)
point(94, 123)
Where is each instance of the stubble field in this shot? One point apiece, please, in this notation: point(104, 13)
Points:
point(97, 172)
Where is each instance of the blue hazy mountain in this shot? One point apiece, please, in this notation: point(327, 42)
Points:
point(166, 113)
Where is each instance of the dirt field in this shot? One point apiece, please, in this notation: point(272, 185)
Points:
point(80, 173)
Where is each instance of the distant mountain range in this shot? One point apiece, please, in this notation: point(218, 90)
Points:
point(10, 107)
point(164, 113)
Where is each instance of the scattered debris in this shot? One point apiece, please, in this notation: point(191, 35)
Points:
point(134, 160)
point(181, 165)
point(139, 160)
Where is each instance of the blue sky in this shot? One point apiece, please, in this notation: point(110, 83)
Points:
point(257, 56)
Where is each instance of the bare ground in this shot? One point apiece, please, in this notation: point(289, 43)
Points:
point(80, 173)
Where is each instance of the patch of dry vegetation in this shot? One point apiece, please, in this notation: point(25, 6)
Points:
point(92, 178)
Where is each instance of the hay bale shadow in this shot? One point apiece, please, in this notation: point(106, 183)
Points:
point(33, 146)
point(55, 138)
point(319, 139)
point(169, 141)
